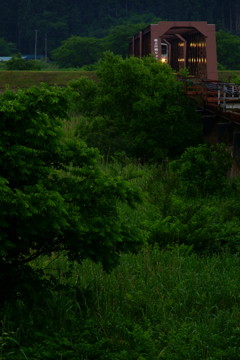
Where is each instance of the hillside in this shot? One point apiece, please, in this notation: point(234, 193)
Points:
point(47, 23)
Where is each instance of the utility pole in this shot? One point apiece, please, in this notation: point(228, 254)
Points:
point(46, 47)
point(35, 52)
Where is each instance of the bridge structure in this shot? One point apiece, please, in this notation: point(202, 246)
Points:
point(220, 97)
point(219, 105)
point(190, 44)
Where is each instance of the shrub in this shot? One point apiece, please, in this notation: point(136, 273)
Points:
point(203, 169)
point(201, 226)
point(18, 63)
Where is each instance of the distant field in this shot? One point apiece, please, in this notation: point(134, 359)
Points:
point(25, 79)
point(226, 75)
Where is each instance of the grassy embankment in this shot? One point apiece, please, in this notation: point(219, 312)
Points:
point(25, 79)
point(228, 75)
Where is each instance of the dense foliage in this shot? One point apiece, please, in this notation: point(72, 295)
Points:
point(65, 218)
point(18, 63)
point(228, 50)
point(170, 302)
point(53, 194)
point(62, 19)
point(203, 169)
point(6, 48)
point(78, 51)
point(137, 107)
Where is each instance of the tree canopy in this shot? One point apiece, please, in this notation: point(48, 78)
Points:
point(61, 19)
point(54, 197)
point(136, 106)
point(6, 48)
point(228, 50)
point(77, 51)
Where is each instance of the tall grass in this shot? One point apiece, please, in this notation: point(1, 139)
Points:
point(155, 305)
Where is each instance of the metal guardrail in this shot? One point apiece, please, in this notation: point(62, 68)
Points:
point(224, 95)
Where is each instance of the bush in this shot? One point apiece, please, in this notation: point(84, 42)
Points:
point(204, 227)
point(18, 63)
point(203, 169)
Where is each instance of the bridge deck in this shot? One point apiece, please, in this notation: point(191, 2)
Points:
point(219, 104)
point(221, 97)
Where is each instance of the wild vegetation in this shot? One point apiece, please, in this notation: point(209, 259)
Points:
point(181, 302)
point(130, 107)
point(127, 251)
point(155, 305)
point(228, 50)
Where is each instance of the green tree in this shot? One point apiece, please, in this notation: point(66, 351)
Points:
point(20, 18)
point(53, 196)
point(228, 50)
point(78, 51)
point(6, 48)
point(203, 169)
point(138, 106)
point(18, 63)
point(118, 36)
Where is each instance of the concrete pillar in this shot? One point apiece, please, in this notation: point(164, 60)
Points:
point(236, 147)
point(224, 132)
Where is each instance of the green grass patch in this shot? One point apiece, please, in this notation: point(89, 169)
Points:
point(24, 79)
point(227, 75)
point(170, 305)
